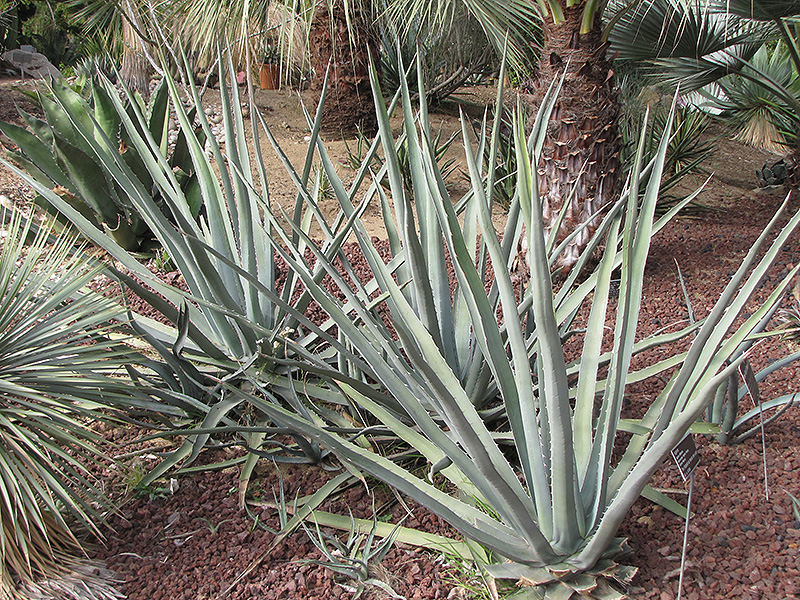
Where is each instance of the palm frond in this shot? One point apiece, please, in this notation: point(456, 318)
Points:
point(663, 29)
point(760, 10)
point(506, 23)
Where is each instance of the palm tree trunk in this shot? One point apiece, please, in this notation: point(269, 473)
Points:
point(343, 49)
point(135, 70)
point(580, 158)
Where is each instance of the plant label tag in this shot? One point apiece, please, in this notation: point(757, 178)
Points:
point(749, 378)
point(686, 456)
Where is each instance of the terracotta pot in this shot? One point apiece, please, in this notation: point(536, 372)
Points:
point(270, 76)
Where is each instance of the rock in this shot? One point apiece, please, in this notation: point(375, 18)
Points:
point(30, 63)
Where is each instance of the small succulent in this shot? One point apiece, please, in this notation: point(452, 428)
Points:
point(357, 559)
point(777, 174)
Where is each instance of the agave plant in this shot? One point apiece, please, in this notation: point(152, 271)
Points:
point(562, 518)
point(415, 236)
point(555, 524)
point(60, 367)
point(234, 315)
point(55, 152)
point(358, 558)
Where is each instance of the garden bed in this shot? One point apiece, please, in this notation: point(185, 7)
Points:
point(194, 542)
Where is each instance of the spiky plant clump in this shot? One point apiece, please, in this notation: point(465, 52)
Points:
point(757, 115)
point(555, 519)
point(58, 369)
point(53, 151)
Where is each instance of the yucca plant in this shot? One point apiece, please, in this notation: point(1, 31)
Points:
point(688, 148)
point(759, 116)
point(554, 518)
point(55, 152)
point(61, 369)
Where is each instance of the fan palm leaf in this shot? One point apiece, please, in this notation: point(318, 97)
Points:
point(722, 48)
point(756, 113)
point(512, 26)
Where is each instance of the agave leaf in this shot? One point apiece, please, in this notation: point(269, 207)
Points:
point(63, 121)
point(180, 154)
point(782, 404)
point(39, 127)
point(190, 449)
point(95, 191)
point(37, 152)
point(663, 500)
point(637, 237)
point(590, 357)
point(555, 414)
point(309, 506)
point(158, 116)
point(105, 116)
